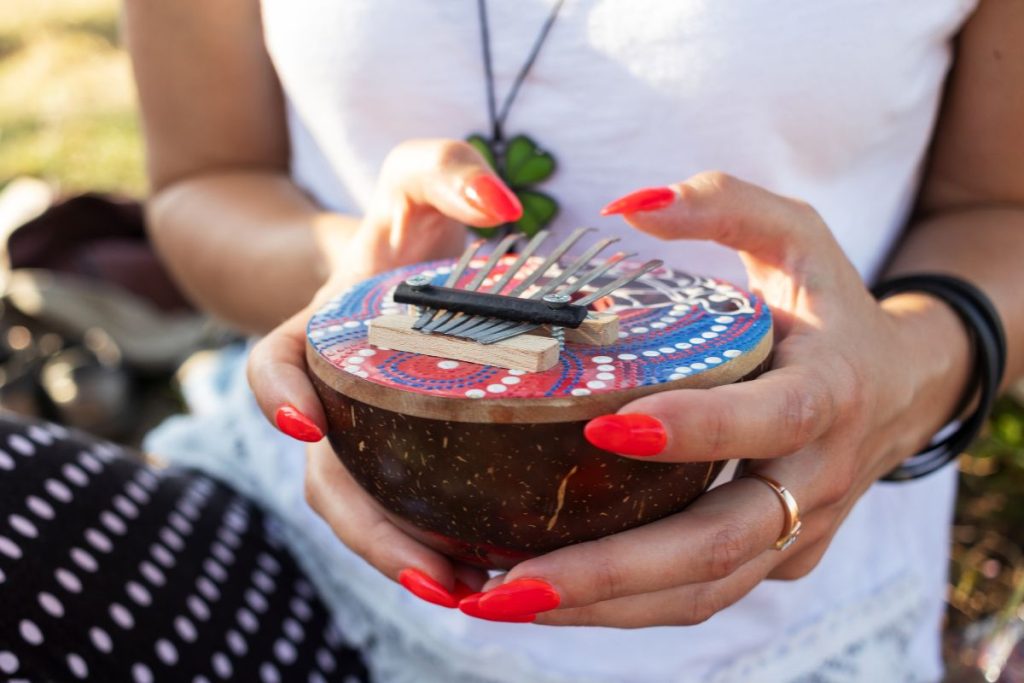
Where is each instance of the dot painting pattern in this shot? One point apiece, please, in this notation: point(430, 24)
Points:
point(672, 325)
point(112, 571)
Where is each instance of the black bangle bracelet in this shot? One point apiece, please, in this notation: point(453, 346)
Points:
point(986, 329)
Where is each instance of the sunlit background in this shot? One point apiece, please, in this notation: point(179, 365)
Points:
point(89, 336)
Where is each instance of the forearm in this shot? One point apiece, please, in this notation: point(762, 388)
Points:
point(248, 247)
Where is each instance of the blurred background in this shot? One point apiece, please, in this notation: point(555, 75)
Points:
point(94, 335)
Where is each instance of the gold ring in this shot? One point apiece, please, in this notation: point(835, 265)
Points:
point(793, 524)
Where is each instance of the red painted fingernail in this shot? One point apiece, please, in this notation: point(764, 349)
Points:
point(519, 598)
point(648, 199)
point(488, 194)
point(631, 434)
point(471, 605)
point(461, 590)
point(425, 588)
point(296, 425)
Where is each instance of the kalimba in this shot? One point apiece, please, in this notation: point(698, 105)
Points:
point(457, 391)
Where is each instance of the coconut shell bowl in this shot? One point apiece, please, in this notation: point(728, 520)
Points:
point(470, 434)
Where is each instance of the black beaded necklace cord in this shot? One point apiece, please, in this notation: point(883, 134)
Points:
point(519, 161)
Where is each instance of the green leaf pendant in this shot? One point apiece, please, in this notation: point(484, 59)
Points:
point(521, 163)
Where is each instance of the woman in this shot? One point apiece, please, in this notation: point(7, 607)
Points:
point(296, 148)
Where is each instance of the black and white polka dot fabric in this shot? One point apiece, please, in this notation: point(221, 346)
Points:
point(114, 571)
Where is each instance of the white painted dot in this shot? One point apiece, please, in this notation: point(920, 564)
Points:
point(718, 328)
point(20, 444)
point(448, 364)
point(77, 666)
point(355, 360)
point(9, 662)
point(497, 388)
point(68, 580)
point(284, 651)
point(697, 340)
point(475, 393)
point(247, 620)
point(651, 353)
point(732, 353)
point(74, 474)
point(222, 552)
point(606, 368)
point(712, 360)
point(89, 462)
point(141, 673)
point(580, 392)
point(683, 346)
point(350, 324)
point(236, 643)
point(255, 600)
point(640, 329)
point(623, 335)
point(304, 588)
point(152, 573)
point(681, 307)
point(221, 665)
point(166, 652)
point(367, 352)
point(605, 376)
point(658, 325)
point(6, 461)
point(294, 630)
point(185, 629)
point(101, 639)
point(162, 555)
point(113, 523)
point(207, 589)
point(171, 539)
point(602, 359)
point(676, 375)
point(30, 632)
point(263, 581)
point(627, 356)
point(517, 372)
point(84, 560)
point(198, 608)
point(668, 319)
point(709, 335)
point(724, 319)
point(58, 490)
point(667, 349)
point(596, 384)
point(268, 564)
point(51, 605)
point(269, 673)
point(121, 616)
point(178, 521)
point(138, 593)
point(510, 380)
point(9, 548)
point(684, 369)
point(23, 526)
point(316, 677)
point(126, 507)
point(99, 540)
point(215, 570)
point(698, 366)
point(301, 609)
point(136, 493)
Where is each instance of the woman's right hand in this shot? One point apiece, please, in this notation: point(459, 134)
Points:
point(427, 191)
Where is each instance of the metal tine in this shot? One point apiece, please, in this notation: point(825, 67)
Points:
point(573, 268)
point(544, 267)
point(481, 275)
point(453, 277)
point(531, 246)
point(585, 279)
point(590, 298)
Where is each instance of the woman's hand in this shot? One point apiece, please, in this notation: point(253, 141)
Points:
point(849, 396)
point(428, 190)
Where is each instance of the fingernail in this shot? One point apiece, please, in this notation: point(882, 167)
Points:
point(296, 425)
point(425, 588)
point(631, 434)
point(471, 605)
point(488, 194)
point(519, 598)
point(648, 199)
point(461, 590)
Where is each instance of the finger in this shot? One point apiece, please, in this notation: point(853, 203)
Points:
point(449, 176)
point(776, 414)
point(680, 606)
point(719, 533)
point(276, 371)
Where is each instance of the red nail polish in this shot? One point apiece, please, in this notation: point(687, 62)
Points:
point(632, 434)
point(488, 194)
point(462, 590)
point(425, 588)
point(471, 605)
point(648, 199)
point(519, 598)
point(296, 425)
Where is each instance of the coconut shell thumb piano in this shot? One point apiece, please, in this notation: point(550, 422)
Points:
point(457, 391)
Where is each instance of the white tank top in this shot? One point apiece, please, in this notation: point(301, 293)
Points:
point(832, 101)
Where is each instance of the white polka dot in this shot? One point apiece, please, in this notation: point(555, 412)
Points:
point(98, 540)
point(90, 463)
point(667, 349)
point(269, 673)
point(724, 319)
point(207, 589)
point(74, 474)
point(596, 384)
point(517, 372)
point(77, 666)
point(152, 573)
point(39, 507)
point(84, 560)
point(301, 609)
point(355, 360)
point(126, 507)
point(58, 490)
point(683, 346)
point(182, 525)
point(221, 665)
point(605, 376)
point(284, 651)
point(351, 324)
point(255, 600)
point(162, 555)
point(698, 366)
point(8, 662)
point(658, 325)
point(23, 526)
point(676, 375)
point(215, 570)
point(236, 643)
point(475, 393)
point(141, 673)
point(325, 660)
point(21, 444)
point(497, 388)
point(101, 639)
point(732, 353)
point(113, 523)
point(669, 319)
point(293, 630)
point(510, 380)
point(640, 329)
point(9, 548)
point(651, 353)
point(6, 461)
point(247, 620)
point(222, 552)
point(623, 335)
point(185, 629)
point(136, 493)
point(712, 360)
point(606, 368)
point(684, 369)
point(709, 335)
point(263, 581)
point(121, 616)
point(51, 605)
point(171, 539)
point(448, 364)
point(138, 593)
point(601, 359)
point(718, 328)
point(166, 652)
point(367, 352)
point(30, 632)
point(627, 356)
point(229, 537)
point(68, 580)
point(304, 588)
point(580, 392)
point(198, 608)
point(317, 677)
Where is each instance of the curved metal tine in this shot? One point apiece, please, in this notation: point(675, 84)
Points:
point(544, 267)
point(481, 275)
point(453, 277)
point(629, 277)
point(510, 272)
point(585, 279)
point(575, 267)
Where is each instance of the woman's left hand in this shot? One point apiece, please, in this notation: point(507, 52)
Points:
point(850, 394)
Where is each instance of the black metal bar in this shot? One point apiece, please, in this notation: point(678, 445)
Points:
point(491, 305)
